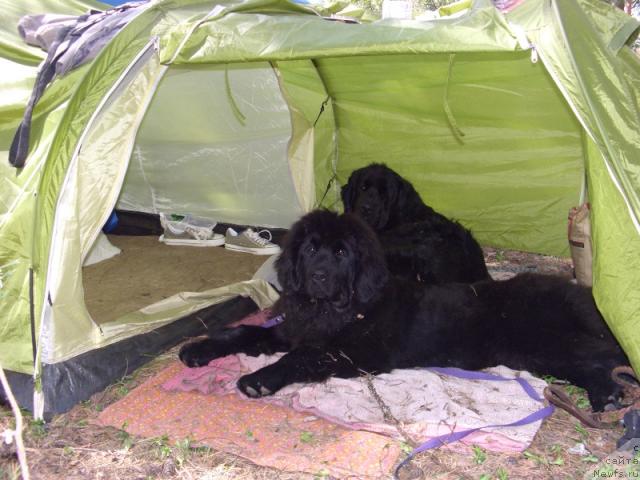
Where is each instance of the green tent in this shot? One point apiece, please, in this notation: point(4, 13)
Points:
point(254, 112)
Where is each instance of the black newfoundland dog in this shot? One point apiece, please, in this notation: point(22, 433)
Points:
point(419, 243)
point(344, 315)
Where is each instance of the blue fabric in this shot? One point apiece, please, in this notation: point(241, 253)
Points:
point(111, 224)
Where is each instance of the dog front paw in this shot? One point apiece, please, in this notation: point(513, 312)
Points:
point(260, 383)
point(198, 354)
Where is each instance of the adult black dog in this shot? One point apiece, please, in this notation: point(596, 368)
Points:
point(343, 314)
point(419, 242)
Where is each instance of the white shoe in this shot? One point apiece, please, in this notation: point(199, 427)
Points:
point(189, 231)
point(250, 241)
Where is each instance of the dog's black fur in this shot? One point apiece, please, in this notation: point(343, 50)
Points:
point(419, 242)
point(344, 314)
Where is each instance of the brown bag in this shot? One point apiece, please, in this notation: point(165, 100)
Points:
point(580, 243)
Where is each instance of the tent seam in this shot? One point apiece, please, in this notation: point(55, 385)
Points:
point(334, 157)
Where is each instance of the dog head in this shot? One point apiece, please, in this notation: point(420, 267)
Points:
point(381, 197)
point(333, 258)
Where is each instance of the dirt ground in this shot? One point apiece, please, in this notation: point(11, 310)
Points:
point(147, 271)
point(71, 446)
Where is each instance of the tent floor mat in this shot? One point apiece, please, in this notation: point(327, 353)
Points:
point(147, 271)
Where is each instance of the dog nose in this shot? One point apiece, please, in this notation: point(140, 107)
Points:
point(365, 209)
point(319, 276)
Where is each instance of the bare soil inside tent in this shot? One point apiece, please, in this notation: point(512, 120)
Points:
point(71, 446)
point(147, 271)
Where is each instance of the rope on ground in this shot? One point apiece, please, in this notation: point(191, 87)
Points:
point(409, 471)
point(22, 455)
point(386, 412)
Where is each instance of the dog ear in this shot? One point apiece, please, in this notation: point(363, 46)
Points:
point(346, 195)
point(371, 268)
point(349, 191)
point(287, 264)
point(408, 205)
point(406, 195)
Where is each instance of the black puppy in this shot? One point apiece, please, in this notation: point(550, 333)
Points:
point(419, 243)
point(344, 315)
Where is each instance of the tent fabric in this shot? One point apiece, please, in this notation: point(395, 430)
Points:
point(258, 111)
point(598, 89)
point(615, 261)
point(484, 178)
point(240, 32)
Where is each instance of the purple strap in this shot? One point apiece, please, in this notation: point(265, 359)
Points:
point(469, 375)
point(273, 321)
point(441, 440)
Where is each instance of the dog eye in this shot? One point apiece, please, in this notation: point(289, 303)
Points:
point(311, 249)
point(363, 187)
point(341, 252)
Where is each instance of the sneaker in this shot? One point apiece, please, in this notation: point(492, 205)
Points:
point(251, 242)
point(189, 231)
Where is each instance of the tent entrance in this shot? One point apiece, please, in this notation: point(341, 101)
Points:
point(191, 154)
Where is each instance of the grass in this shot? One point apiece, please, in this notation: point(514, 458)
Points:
point(306, 437)
point(161, 446)
point(126, 440)
point(582, 431)
point(479, 454)
point(37, 428)
point(502, 474)
point(10, 472)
